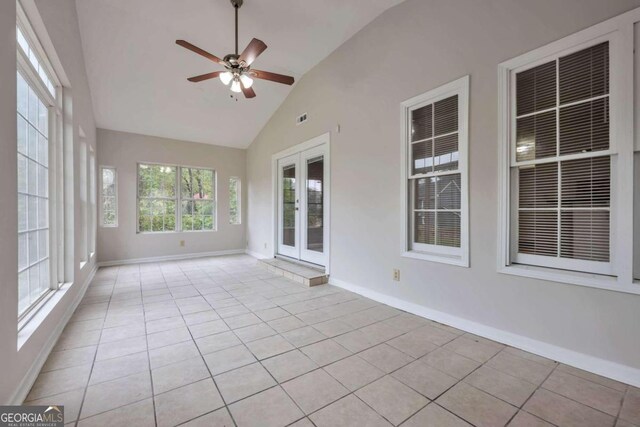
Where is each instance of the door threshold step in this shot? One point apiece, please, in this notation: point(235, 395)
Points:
point(296, 272)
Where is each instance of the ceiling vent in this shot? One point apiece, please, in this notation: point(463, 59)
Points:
point(301, 119)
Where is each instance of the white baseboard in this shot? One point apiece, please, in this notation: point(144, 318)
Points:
point(606, 368)
point(257, 255)
point(170, 257)
point(29, 379)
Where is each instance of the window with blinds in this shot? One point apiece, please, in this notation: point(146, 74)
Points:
point(435, 171)
point(561, 163)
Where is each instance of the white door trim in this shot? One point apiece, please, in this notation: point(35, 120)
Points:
point(314, 142)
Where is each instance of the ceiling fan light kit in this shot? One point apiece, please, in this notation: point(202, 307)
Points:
point(238, 67)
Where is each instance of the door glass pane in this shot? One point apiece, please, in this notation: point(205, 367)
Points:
point(315, 207)
point(289, 205)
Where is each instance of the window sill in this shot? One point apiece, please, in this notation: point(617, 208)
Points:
point(572, 278)
point(442, 258)
point(39, 314)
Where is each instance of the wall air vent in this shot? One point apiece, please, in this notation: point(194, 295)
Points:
point(301, 119)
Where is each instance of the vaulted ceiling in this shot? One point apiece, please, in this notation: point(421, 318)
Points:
point(138, 75)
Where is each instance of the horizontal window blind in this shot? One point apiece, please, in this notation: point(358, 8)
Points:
point(563, 172)
point(435, 177)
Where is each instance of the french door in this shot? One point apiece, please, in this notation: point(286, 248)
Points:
point(302, 194)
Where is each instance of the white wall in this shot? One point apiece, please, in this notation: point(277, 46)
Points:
point(60, 20)
point(124, 151)
point(410, 49)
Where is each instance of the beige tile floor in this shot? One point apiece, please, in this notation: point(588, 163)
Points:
point(223, 342)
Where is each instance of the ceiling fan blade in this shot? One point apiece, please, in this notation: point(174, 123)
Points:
point(199, 51)
point(204, 76)
point(252, 51)
point(248, 92)
point(278, 78)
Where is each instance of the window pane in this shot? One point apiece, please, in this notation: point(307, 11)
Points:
point(422, 156)
point(156, 181)
point(43, 150)
point(22, 174)
point(144, 223)
point(448, 192)
point(536, 89)
point(32, 109)
point(109, 197)
point(22, 213)
point(23, 251)
point(108, 182)
point(538, 186)
point(424, 228)
point(446, 153)
point(445, 116)
point(584, 127)
point(538, 232)
point(32, 142)
point(43, 119)
point(536, 136)
point(169, 215)
point(42, 181)
point(234, 201)
point(425, 193)
point(448, 229)
point(23, 96)
point(289, 205)
point(43, 213)
point(32, 177)
point(315, 204)
point(586, 183)
point(22, 135)
point(585, 235)
point(422, 123)
point(43, 244)
point(33, 212)
point(33, 247)
point(584, 74)
point(197, 183)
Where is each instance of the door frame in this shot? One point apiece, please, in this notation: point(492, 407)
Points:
point(324, 139)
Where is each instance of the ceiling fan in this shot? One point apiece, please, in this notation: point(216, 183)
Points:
point(238, 67)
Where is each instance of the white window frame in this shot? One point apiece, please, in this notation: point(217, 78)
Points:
point(115, 198)
point(178, 199)
point(93, 201)
point(238, 182)
point(443, 254)
point(84, 199)
point(50, 93)
point(619, 32)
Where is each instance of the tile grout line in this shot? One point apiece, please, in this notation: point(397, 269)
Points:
point(224, 402)
point(95, 356)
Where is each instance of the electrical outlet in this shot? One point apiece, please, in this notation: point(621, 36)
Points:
point(265, 245)
point(396, 274)
point(181, 242)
